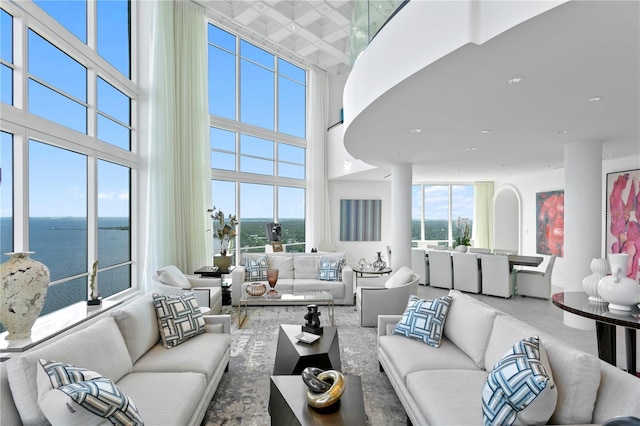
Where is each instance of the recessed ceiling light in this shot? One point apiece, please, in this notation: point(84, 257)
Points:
point(347, 164)
point(515, 80)
point(485, 131)
point(471, 148)
point(416, 130)
point(293, 27)
point(400, 154)
point(562, 132)
point(594, 99)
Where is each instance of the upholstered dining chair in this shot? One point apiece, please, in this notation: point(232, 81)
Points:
point(479, 250)
point(466, 273)
point(420, 264)
point(497, 279)
point(440, 269)
point(535, 283)
point(207, 291)
point(390, 299)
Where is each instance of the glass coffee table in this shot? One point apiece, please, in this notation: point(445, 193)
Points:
point(285, 298)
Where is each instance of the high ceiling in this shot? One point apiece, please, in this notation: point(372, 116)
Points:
point(316, 31)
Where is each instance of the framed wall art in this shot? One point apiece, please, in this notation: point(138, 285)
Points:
point(360, 220)
point(550, 223)
point(623, 215)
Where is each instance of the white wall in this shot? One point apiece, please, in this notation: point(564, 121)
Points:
point(551, 180)
point(360, 190)
point(336, 89)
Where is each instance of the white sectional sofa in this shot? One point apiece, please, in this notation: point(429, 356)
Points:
point(444, 385)
point(298, 272)
point(168, 386)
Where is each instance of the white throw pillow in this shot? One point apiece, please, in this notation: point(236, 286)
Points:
point(399, 278)
point(171, 275)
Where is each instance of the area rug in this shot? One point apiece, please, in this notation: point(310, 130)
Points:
point(242, 398)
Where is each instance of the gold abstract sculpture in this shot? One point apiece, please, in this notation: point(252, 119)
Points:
point(324, 388)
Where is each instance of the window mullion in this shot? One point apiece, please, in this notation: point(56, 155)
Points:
point(92, 212)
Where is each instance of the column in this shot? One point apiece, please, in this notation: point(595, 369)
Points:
point(582, 217)
point(401, 175)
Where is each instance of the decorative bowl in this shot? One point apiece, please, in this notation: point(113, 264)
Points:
point(256, 289)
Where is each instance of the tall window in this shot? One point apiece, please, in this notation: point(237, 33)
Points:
point(258, 107)
point(6, 57)
point(75, 144)
point(436, 209)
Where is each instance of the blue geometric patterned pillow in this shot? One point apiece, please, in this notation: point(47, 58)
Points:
point(520, 386)
point(424, 319)
point(179, 317)
point(73, 395)
point(331, 270)
point(256, 270)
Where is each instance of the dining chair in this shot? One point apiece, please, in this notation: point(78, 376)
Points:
point(466, 273)
point(535, 283)
point(440, 269)
point(479, 250)
point(420, 264)
point(497, 279)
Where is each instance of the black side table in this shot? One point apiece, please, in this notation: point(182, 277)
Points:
point(293, 356)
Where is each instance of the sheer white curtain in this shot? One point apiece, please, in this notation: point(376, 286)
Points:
point(483, 212)
point(179, 172)
point(318, 231)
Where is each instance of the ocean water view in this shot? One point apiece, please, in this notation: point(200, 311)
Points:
point(61, 244)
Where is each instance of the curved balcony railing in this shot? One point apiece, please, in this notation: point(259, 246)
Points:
point(369, 16)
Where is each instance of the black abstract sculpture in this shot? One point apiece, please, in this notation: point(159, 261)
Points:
point(313, 320)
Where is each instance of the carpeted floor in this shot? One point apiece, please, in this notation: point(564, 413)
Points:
point(242, 397)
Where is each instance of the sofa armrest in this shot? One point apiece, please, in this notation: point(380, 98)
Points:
point(198, 281)
point(348, 278)
point(237, 278)
point(225, 320)
point(385, 322)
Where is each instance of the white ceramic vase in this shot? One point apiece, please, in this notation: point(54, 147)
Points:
point(600, 269)
point(24, 290)
point(620, 291)
point(461, 248)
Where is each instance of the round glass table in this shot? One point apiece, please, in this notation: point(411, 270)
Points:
point(606, 319)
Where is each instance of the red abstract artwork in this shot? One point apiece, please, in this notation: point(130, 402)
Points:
point(550, 223)
point(623, 214)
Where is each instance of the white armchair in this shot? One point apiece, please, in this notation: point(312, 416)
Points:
point(388, 300)
point(535, 283)
point(208, 291)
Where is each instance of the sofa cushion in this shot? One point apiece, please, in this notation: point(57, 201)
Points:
point(449, 396)
point(424, 319)
point(409, 356)
point(74, 396)
point(331, 270)
point(172, 276)
point(179, 317)
point(399, 278)
point(99, 347)
point(256, 269)
point(520, 386)
point(165, 398)
point(283, 263)
point(576, 373)
point(472, 340)
point(187, 356)
point(139, 326)
point(306, 266)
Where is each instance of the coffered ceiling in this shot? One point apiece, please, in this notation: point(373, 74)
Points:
point(316, 31)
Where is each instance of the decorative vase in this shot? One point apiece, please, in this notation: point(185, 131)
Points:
point(24, 290)
point(461, 248)
point(222, 262)
point(272, 279)
point(620, 291)
point(600, 268)
point(379, 264)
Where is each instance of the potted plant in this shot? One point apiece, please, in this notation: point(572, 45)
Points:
point(463, 240)
point(225, 232)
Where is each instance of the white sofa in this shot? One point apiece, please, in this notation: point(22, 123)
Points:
point(443, 386)
point(298, 272)
point(168, 386)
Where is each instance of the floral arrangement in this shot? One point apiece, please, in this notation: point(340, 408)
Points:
point(221, 230)
point(464, 239)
